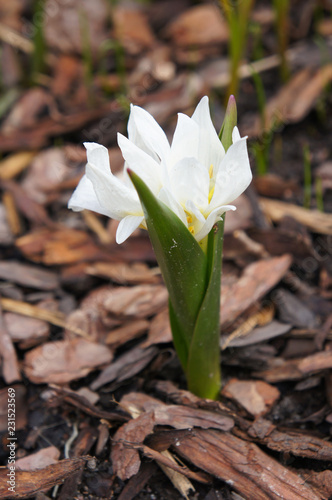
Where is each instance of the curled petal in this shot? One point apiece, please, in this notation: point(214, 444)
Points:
point(118, 199)
point(98, 155)
point(127, 226)
point(233, 176)
point(85, 198)
point(212, 218)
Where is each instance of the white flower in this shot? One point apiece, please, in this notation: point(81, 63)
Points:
point(193, 177)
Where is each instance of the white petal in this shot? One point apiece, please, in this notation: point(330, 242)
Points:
point(235, 135)
point(214, 216)
point(185, 139)
point(98, 156)
point(141, 163)
point(126, 227)
point(113, 195)
point(166, 197)
point(192, 209)
point(234, 175)
point(190, 180)
point(84, 198)
point(142, 127)
point(211, 151)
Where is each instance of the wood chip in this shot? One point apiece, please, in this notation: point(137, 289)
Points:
point(251, 472)
point(199, 25)
point(10, 368)
point(29, 483)
point(24, 308)
point(126, 460)
point(258, 278)
point(27, 331)
point(28, 275)
point(294, 442)
point(138, 302)
point(21, 403)
point(127, 332)
point(296, 369)
point(132, 29)
point(126, 366)
point(314, 220)
point(64, 360)
point(124, 273)
point(256, 396)
point(39, 460)
point(177, 416)
point(15, 164)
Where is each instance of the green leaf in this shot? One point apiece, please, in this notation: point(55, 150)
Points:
point(182, 262)
point(203, 368)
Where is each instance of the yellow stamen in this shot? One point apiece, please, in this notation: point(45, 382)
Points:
point(211, 171)
point(191, 229)
point(211, 194)
point(189, 219)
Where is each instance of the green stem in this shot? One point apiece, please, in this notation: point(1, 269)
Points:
point(203, 368)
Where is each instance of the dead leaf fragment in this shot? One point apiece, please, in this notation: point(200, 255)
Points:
point(64, 360)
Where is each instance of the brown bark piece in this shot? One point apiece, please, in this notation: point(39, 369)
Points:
point(199, 25)
point(21, 407)
point(314, 220)
point(243, 465)
point(132, 29)
point(39, 460)
point(258, 278)
point(126, 461)
point(255, 396)
point(26, 331)
point(10, 368)
point(126, 366)
point(295, 99)
point(177, 416)
point(28, 483)
point(138, 302)
point(79, 401)
point(299, 444)
point(160, 330)
point(296, 369)
point(27, 275)
point(129, 331)
point(124, 273)
point(64, 360)
point(48, 169)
